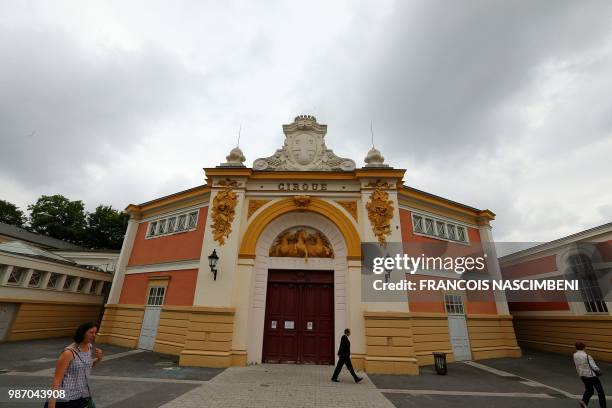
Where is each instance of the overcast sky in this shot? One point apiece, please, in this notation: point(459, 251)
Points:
point(499, 105)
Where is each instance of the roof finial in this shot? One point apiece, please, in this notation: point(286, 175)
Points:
point(372, 133)
point(374, 158)
point(235, 158)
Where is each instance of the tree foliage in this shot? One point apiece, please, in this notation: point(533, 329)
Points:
point(11, 214)
point(59, 217)
point(106, 227)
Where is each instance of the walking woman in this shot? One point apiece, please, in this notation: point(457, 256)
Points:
point(588, 372)
point(73, 367)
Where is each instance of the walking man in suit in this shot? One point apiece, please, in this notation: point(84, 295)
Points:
point(344, 354)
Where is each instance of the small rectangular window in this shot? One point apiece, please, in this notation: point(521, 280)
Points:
point(452, 234)
point(68, 282)
point(180, 224)
point(417, 223)
point(92, 287)
point(441, 232)
point(35, 279)
point(152, 228)
point(53, 280)
point(461, 234)
point(171, 224)
point(156, 295)
point(454, 304)
point(16, 276)
point(193, 219)
point(429, 226)
point(161, 229)
point(81, 286)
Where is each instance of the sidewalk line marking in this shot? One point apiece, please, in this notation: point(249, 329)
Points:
point(113, 378)
point(489, 369)
point(507, 374)
point(123, 354)
point(468, 393)
point(51, 371)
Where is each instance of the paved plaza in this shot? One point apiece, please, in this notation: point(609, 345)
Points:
point(139, 379)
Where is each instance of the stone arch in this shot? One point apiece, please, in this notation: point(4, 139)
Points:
point(263, 262)
point(343, 223)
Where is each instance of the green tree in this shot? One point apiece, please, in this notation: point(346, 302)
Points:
point(105, 228)
point(58, 217)
point(10, 214)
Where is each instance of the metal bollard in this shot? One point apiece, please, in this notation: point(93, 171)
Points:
point(440, 363)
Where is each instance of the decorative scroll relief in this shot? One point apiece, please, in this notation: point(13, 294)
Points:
point(350, 206)
point(304, 150)
point(254, 205)
point(380, 213)
point(223, 212)
point(301, 242)
point(378, 184)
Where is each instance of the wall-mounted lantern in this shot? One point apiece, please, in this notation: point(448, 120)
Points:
point(387, 271)
point(212, 262)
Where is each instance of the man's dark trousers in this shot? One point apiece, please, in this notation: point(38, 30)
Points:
point(344, 354)
point(342, 361)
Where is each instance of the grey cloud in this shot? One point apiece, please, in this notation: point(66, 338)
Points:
point(63, 105)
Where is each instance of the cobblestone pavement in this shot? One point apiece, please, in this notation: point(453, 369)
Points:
point(282, 385)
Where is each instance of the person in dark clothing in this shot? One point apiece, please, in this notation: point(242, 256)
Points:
point(344, 354)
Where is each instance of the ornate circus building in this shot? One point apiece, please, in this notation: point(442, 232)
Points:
point(264, 265)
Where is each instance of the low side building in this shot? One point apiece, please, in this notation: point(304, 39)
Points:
point(44, 295)
point(554, 322)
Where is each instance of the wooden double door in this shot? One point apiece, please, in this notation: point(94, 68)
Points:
point(299, 322)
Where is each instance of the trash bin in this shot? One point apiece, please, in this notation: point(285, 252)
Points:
point(440, 363)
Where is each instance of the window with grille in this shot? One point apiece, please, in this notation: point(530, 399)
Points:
point(193, 219)
point(429, 226)
point(437, 228)
point(441, 230)
point(173, 224)
point(454, 304)
point(152, 228)
point(592, 296)
point(161, 229)
point(35, 279)
point(81, 285)
point(180, 225)
point(92, 287)
point(417, 223)
point(451, 232)
point(68, 282)
point(53, 280)
point(16, 276)
point(461, 234)
point(156, 295)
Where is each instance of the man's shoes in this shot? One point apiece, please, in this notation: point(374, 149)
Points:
point(358, 379)
point(335, 380)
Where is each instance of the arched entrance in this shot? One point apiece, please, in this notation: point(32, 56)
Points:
point(311, 280)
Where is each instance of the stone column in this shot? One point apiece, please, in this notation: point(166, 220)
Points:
point(124, 256)
point(488, 245)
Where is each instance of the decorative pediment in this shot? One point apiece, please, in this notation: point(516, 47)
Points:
point(304, 150)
